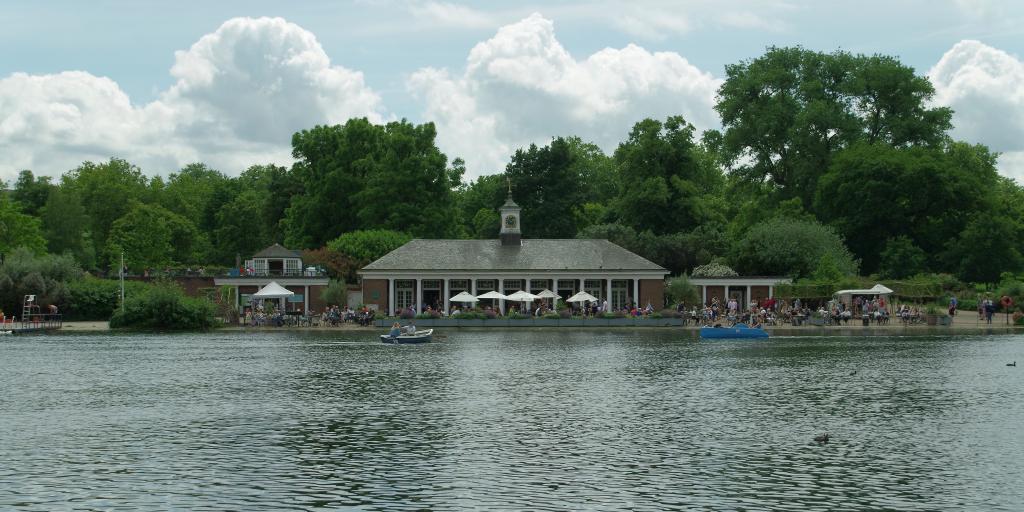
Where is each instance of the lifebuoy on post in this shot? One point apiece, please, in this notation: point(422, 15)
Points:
point(1006, 301)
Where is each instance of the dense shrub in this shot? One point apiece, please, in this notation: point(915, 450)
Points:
point(551, 316)
point(469, 315)
point(406, 314)
point(164, 306)
point(96, 299)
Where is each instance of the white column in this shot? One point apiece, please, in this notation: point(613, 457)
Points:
point(704, 295)
point(419, 294)
point(305, 299)
point(749, 299)
point(446, 291)
point(608, 297)
point(771, 291)
point(472, 286)
point(391, 297)
point(581, 284)
point(501, 290)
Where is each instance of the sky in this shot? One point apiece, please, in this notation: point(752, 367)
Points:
point(227, 83)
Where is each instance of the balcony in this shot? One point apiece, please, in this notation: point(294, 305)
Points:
point(265, 273)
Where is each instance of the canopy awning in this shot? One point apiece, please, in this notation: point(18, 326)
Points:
point(273, 291)
point(547, 294)
point(491, 295)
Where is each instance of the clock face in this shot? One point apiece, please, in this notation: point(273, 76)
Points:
point(510, 221)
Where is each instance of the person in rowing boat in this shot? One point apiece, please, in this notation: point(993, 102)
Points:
point(411, 328)
point(396, 330)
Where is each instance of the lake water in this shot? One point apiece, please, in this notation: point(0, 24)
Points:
point(518, 420)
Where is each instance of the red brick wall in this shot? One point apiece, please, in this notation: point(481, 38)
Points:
point(758, 293)
point(652, 291)
point(375, 291)
point(716, 291)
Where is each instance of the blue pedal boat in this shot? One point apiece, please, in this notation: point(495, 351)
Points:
point(735, 332)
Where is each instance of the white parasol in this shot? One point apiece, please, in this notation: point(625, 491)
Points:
point(463, 297)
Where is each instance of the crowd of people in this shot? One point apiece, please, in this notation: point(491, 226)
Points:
point(586, 309)
point(268, 314)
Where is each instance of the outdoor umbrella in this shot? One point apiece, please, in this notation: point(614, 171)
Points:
point(463, 297)
point(522, 296)
point(582, 297)
point(548, 294)
point(491, 295)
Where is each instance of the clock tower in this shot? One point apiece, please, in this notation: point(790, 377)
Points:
point(510, 234)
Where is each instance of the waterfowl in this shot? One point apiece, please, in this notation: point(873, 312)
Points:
point(1012, 364)
point(822, 438)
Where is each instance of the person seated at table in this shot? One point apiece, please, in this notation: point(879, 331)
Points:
point(396, 330)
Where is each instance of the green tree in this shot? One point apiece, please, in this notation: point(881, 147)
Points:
point(107, 191)
point(478, 202)
point(410, 188)
point(365, 176)
point(663, 177)
point(368, 245)
point(547, 185)
point(873, 193)
point(902, 259)
point(679, 289)
point(31, 192)
point(66, 226)
point(786, 247)
point(987, 247)
point(240, 230)
point(18, 229)
point(192, 192)
point(151, 236)
point(787, 112)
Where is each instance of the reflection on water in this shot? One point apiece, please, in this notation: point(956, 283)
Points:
point(538, 420)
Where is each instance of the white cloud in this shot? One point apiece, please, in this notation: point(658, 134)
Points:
point(241, 92)
point(983, 86)
point(521, 87)
point(451, 15)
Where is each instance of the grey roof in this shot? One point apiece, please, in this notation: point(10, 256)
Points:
point(278, 251)
point(490, 255)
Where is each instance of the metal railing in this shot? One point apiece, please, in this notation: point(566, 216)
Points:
point(33, 322)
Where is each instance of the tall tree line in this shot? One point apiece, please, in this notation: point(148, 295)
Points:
point(825, 162)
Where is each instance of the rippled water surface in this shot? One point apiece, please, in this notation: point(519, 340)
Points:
point(537, 420)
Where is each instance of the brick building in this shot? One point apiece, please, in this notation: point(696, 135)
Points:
point(283, 266)
point(430, 272)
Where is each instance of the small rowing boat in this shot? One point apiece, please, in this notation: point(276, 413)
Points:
point(418, 337)
point(734, 332)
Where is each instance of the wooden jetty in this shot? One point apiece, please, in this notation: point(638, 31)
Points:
point(32, 319)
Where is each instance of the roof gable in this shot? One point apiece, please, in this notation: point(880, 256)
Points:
point(278, 251)
point(533, 254)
